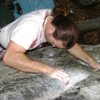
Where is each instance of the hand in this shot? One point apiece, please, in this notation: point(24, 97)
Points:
point(97, 66)
point(61, 75)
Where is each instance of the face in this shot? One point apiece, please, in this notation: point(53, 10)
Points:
point(49, 29)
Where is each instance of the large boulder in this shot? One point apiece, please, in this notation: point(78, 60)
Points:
point(84, 84)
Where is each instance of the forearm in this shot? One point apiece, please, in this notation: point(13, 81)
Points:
point(78, 52)
point(21, 62)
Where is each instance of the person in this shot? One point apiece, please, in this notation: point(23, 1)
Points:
point(35, 28)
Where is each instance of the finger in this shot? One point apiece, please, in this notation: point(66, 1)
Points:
point(95, 69)
point(61, 76)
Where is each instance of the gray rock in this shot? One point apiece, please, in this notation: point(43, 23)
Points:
point(17, 85)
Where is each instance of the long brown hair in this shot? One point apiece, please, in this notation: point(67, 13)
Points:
point(66, 30)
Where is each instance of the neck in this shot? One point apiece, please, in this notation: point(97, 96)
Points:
point(47, 22)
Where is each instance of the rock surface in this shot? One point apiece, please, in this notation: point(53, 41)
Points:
point(84, 84)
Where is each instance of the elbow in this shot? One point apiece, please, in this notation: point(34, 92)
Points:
point(5, 59)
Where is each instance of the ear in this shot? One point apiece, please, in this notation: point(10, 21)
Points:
point(51, 29)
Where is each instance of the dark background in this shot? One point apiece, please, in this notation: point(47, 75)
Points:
point(77, 10)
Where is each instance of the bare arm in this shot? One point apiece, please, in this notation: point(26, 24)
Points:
point(78, 52)
point(15, 57)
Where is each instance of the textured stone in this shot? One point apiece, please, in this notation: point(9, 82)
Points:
point(17, 85)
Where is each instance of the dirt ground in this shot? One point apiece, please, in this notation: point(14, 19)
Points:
point(86, 12)
point(82, 13)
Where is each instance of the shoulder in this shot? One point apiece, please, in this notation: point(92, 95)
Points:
point(41, 12)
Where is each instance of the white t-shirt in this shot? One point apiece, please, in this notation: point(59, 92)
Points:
point(27, 31)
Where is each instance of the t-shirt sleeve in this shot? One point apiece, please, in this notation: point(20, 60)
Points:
point(25, 34)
